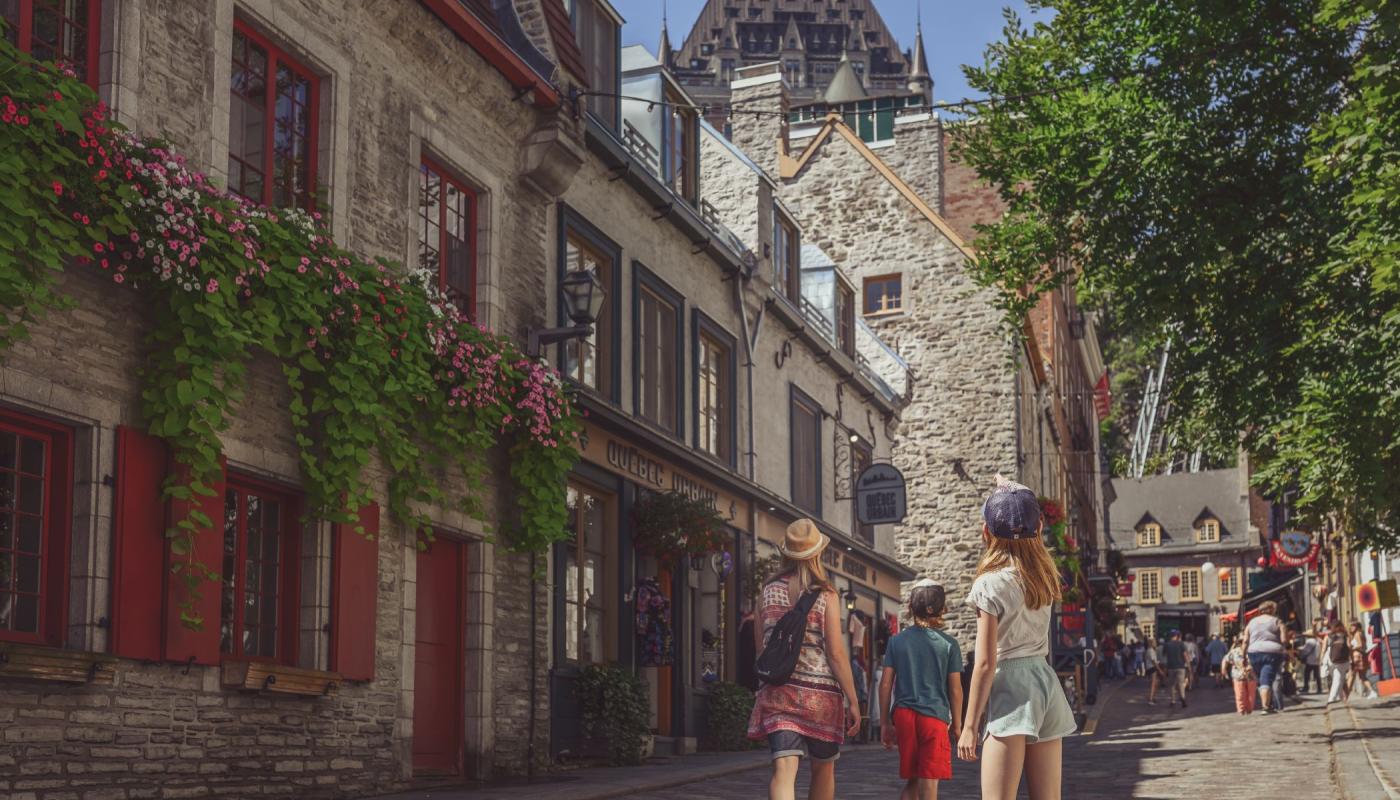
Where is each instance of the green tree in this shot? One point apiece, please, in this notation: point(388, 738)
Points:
point(1223, 175)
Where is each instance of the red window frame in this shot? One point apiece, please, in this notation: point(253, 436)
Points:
point(288, 577)
point(91, 28)
point(276, 57)
point(463, 293)
point(55, 521)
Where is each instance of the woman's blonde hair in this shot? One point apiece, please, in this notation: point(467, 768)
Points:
point(1035, 569)
point(1268, 607)
point(810, 572)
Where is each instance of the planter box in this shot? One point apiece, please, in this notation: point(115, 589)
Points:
point(261, 676)
point(52, 664)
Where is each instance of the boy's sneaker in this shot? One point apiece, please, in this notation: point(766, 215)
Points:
point(1183, 702)
point(1151, 702)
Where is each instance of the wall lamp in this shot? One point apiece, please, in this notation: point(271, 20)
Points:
point(583, 295)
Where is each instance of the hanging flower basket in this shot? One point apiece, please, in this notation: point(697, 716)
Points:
point(673, 528)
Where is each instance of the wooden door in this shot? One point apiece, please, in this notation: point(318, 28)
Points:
point(437, 673)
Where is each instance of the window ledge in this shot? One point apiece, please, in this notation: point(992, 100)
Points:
point(262, 676)
point(40, 662)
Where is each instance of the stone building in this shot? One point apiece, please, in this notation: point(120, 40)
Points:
point(875, 189)
point(814, 41)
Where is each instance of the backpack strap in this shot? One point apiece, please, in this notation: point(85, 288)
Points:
point(808, 600)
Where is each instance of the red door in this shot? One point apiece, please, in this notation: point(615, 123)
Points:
point(437, 673)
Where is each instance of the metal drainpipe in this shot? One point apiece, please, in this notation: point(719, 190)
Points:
point(750, 341)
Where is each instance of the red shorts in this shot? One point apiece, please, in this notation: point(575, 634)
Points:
point(924, 749)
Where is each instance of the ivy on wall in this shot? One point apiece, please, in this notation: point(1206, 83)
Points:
point(378, 361)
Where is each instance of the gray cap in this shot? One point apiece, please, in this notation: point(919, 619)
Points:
point(1012, 511)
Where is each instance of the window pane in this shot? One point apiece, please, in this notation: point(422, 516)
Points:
point(230, 576)
point(8, 449)
point(27, 574)
point(26, 617)
point(31, 533)
point(592, 637)
point(7, 531)
point(571, 631)
point(31, 494)
point(32, 456)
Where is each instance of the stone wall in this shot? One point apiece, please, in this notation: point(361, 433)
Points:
point(411, 88)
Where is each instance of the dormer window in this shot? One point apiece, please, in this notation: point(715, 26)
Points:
point(1208, 532)
point(1149, 535)
point(787, 254)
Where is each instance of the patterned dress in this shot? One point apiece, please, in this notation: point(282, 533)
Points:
point(810, 703)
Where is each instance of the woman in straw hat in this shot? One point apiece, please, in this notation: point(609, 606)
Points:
point(808, 714)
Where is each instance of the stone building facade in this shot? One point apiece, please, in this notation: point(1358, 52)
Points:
point(420, 75)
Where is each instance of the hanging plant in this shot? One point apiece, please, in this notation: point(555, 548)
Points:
point(673, 527)
point(1063, 549)
point(378, 361)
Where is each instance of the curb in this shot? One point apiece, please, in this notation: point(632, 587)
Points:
point(1355, 768)
point(1091, 720)
point(688, 778)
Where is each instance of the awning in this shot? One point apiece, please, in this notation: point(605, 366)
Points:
point(1258, 597)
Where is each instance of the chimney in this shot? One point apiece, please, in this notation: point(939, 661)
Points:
point(763, 135)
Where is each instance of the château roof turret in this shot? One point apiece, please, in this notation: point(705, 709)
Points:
point(845, 84)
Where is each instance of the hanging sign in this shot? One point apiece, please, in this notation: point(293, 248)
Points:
point(1375, 595)
point(1103, 398)
point(1294, 548)
point(880, 495)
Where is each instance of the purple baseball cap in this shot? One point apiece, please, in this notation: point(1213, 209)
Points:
point(1012, 511)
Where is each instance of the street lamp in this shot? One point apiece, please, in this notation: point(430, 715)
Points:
point(850, 600)
point(583, 295)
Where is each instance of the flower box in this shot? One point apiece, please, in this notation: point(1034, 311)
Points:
point(263, 676)
point(38, 662)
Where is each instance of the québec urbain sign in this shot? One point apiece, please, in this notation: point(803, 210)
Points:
point(880, 495)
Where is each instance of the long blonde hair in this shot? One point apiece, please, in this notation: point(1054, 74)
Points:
point(810, 572)
point(1035, 569)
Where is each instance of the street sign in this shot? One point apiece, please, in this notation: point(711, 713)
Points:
point(1295, 548)
point(880, 495)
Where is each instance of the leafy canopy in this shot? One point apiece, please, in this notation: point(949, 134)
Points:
point(1224, 176)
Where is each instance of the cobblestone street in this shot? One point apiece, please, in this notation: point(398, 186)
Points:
point(1137, 751)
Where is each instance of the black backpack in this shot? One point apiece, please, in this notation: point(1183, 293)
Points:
point(779, 657)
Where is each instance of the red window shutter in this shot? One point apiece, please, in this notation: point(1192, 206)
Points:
point(138, 545)
point(182, 643)
point(354, 595)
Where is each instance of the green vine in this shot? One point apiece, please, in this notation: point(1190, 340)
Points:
point(613, 702)
point(672, 527)
point(377, 360)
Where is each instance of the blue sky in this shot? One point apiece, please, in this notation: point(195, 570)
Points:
point(955, 31)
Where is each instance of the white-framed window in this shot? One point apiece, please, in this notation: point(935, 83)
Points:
point(1149, 630)
point(1149, 585)
point(1190, 585)
point(1230, 584)
point(1208, 532)
point(1149, 535)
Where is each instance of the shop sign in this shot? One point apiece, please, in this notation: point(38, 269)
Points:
point(880, 495)
point(651, 472)
point(845, 563)
point(1294, 548)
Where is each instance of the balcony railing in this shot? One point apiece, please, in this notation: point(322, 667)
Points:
point(880, 363)
point(815, 316)
point(641, 148)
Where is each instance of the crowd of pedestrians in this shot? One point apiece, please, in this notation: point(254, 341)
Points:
point(1264, 663)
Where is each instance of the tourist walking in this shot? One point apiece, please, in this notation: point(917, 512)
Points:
point(1156, 673)
point(1177, 660)
point(1310, 653)
point(1215, 652)
point(1358, 676)
point(807, 715)
point(1264, 644)
point(1241, 674)
point(1339, 654)
point(1016, 706)
point(922, 685)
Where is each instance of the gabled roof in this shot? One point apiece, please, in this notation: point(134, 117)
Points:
point(789, 167)
point(1178, 503)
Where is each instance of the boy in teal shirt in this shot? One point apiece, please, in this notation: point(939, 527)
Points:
point(922, 687)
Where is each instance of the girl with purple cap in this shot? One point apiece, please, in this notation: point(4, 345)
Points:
point(1015, 703)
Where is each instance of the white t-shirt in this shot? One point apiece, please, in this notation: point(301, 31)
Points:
point(1020, 631)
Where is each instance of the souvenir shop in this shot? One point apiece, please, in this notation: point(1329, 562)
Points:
point(624, 595)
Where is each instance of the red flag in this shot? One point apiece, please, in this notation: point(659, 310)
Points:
point(1103, 398)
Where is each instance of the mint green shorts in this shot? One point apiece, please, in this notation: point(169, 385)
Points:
point(1027, 700)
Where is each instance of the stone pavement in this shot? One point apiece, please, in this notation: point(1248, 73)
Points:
point(1364, 735)
point(1202, 752)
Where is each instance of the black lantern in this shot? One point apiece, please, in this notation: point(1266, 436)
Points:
point(583, 295)
point(850, 600)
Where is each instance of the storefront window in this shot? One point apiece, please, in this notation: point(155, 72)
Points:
point(586, 583)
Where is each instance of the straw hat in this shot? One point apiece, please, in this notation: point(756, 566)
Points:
point(803, 541)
